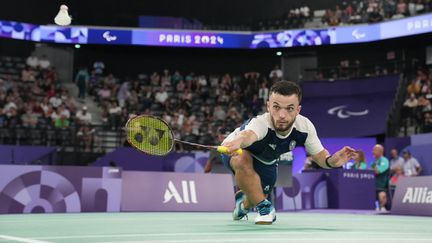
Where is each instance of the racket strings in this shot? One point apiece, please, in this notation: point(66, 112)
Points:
point(150, 135)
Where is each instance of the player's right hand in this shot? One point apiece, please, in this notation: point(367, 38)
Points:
point(233, 146)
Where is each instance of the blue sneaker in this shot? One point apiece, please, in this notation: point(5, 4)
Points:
point(266, 213)
point(239, 210)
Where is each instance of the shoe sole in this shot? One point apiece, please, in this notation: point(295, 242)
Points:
point(265, 222)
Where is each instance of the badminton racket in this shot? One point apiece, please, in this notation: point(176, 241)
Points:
point(154, 136)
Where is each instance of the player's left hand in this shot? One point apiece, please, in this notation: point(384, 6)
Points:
point(342, 156)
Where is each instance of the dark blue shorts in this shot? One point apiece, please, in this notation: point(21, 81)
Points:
point(267, 173)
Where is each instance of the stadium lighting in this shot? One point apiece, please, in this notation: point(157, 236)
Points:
point(279, 53)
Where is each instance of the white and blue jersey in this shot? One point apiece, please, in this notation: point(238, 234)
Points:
point(266, 151)
point(271, 145)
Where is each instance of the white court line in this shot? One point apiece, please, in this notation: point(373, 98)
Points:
point(216, 234)
point(19, 239)
point(276, 239)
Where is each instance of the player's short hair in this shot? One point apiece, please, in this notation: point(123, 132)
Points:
point(286, 88)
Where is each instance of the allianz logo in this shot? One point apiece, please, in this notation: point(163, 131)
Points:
point(418, 195)
point(188, 192)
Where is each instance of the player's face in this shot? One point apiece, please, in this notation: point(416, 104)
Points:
point(283, 110)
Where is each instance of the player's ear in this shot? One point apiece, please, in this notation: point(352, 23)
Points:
point(268, 105)
point(299, 108)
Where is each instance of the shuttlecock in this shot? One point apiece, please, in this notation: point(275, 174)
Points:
point(63, 17)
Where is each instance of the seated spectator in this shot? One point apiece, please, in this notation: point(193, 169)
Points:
point(411, 102)
point(419, 7)
point(263, 93)
point(175, 78)
point(411, 167)
point(414, 87)
point(54, 115)
point(114, 112)
point(99, 67)
point(85, 136)
point(359, 161)
point(427, 124)
point(133, 100)
point(167, 117)
point(36, 90)
point(104, 93)
point(69, 102)
point(201, 83)
point(63, 111)
point(276, 74)
point(161, 96)
point(110, 80)
point(61, 122)
point(145, 98)
point(389, 7)
point(51, 90)
point(123, 94)
point(219, 113)
point(166, 78)
point(29, 119)
point(255, 105)
point(27, 75)
point(10, 103)
point(186, 99)
point(32, 61)
point(375, 16)
point(56, 100)
point(155, 79)
point(180, 87)
point(83, 116)
point(402, 8)
point(44, 63)
point(409, 108)
point(426, 87)
point(397, 174)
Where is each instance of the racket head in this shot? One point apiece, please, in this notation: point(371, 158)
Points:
point(150, 135)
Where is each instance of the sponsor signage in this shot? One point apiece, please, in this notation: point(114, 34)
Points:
point(165, 191)
point(217, 39)
point(413, 196)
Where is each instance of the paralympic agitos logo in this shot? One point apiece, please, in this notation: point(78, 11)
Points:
point(343, 113)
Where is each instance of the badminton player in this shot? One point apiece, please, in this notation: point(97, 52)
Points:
point(264, 138)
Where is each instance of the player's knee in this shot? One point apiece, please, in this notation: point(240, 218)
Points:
point(242, 163)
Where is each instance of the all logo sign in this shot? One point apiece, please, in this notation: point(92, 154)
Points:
point(187, 189)
point(167, 191)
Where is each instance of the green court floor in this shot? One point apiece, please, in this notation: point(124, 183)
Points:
point(212, 227)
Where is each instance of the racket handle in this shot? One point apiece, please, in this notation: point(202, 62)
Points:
point(224, 150)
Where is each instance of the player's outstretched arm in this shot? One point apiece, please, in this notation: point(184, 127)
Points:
point(242, 140)
point(338, 159)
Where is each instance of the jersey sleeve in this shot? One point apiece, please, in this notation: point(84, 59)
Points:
point(383, 165)
point(416, 163)
point(259, 126)
point(312, 144)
